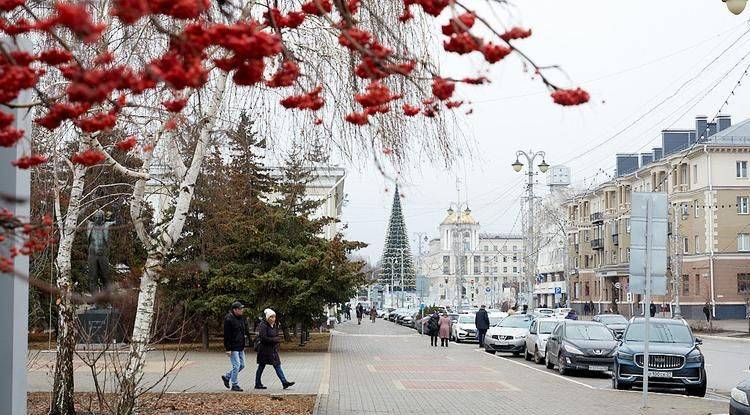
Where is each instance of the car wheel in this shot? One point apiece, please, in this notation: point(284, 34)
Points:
point(526, 354)
point(699, 390)
point(561, 366)
point(537, 358)
point(548, 362)
point(616, 384)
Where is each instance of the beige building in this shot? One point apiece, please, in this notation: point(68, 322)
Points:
point(708, 186)
point(467, 267)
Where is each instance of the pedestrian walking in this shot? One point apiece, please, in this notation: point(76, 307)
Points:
point(586, 309)
point(235, 330)
point(482, 321)
point(348, 311)
point(360, 313)
point(652, 309)
point(373, 314)
point(572, 315)
point(525, 309)
point(433, 328)
point(591, 307)
point(445, 329)
point(707, 311)
point(268, 349)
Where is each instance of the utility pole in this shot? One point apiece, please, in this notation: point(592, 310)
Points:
point(530, 262)
point(420, 257)
point(402, 278)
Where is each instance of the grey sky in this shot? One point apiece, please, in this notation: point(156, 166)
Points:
point(630, 55)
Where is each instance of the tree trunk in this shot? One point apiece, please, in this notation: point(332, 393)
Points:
point(63, 386)
point(287, 336)
point(204, 335)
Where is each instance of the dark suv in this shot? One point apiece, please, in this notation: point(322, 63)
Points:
point(675, 361)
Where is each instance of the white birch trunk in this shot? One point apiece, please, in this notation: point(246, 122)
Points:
point(63, 386)
point(158, 247)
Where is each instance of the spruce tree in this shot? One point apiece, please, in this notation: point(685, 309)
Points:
point(397, 265)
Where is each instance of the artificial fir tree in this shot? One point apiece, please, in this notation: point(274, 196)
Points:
point(397, 265)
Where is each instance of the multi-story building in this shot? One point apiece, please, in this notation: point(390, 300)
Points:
point(705, 174)
point(467, 267)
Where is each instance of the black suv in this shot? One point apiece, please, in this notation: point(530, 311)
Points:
point(674, 360)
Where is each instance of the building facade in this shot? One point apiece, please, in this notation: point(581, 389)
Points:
point(705, 174)
point(465, 267)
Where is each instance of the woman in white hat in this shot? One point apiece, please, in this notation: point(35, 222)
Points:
point(268, 349)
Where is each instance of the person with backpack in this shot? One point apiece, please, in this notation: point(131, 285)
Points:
point(433, 328)
point(267, 346)
point(235, 330)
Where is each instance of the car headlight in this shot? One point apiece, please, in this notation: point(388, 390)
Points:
point(572, 349)
point(740, 396)
point(694, 357)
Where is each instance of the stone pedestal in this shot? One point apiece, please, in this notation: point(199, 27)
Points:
point(100, 326)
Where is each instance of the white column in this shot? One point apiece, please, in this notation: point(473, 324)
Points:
point(14, 291)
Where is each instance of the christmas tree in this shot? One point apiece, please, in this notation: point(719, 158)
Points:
point(396, 265)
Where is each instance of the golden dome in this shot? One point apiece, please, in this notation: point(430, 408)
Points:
point(461, 218)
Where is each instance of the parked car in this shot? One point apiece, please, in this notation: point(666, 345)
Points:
point(496, 317)
point(562, 312)
point(674, 361)
point(580, 345)
point(536, 340)
point(614, 322)
point(543, 312)
point(464, 329)
point(509, 335)
point(740, 402)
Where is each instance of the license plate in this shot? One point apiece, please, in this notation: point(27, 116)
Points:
point(598, 368)
point(502, 342)
point(659, 374)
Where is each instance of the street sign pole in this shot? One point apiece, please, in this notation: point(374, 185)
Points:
point(647, 304)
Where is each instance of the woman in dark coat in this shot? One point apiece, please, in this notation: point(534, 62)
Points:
point(433, 328)
point(268, 349)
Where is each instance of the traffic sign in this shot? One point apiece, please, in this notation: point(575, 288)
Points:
point(648, 226)
point(617, 285)
point(488, 289)
point(558, 290)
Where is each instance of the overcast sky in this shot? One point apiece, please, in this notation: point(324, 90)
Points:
point(630, 55)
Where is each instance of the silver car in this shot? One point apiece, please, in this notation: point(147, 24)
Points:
point(508, 335)
point(465, 329)
point(536, 340)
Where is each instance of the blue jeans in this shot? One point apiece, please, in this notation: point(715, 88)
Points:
point(259, 373)
point(238, 363)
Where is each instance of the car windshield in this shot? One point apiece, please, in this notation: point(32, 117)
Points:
point(544, 311)
point(613, 319)
point(520, 322)
point(546, 327)
point(587, 332)
point(660, 333)
point(466, 319)
point(495, 320)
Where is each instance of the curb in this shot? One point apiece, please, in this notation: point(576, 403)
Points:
point(735, 339)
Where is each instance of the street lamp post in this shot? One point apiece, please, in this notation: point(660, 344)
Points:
point(529, 245)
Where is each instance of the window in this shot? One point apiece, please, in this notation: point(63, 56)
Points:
point(695, 173)
point(505, 270)
point(515, 248)
point(697, 284)
point(505, 259)
point(446, 264)
point(627, 253)
point(494, 247)
point(742, 205)
point(487, 268)
point(627, 225)
point(586, 235)
point(515, 258)
point(695, 208)
point(462, 264)
point(743, 242)
point(685, 245)
point(515, 270)
point(684, 209)
point(477, 264)
point(743, 283)
point(494, 270)
point(742, 169)
point(697, 245)
point(685, 284)
point(614, 257)
point(467, 246)
point(486, 248)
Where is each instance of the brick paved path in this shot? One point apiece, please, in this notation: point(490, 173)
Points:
point(382, 368)
point(198, 372)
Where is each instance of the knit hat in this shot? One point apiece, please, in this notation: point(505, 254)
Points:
point(267, 313)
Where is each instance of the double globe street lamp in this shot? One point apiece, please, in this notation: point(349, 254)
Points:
point(529, 245)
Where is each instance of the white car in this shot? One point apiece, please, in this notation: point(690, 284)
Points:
point(536, 340)
point(496, 317)
point(464, 329)
point(509, 335)
point(543, 312)
point(562, 312)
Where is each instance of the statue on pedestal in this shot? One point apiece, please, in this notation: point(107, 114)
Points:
point(98, 252)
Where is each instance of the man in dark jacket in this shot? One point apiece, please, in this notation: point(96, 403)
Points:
point(268, 349)
point(652, 309)
point(482, 321)
point(235, 331)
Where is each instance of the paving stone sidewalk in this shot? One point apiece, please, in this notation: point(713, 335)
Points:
point(197, 372)
point(382, 368)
